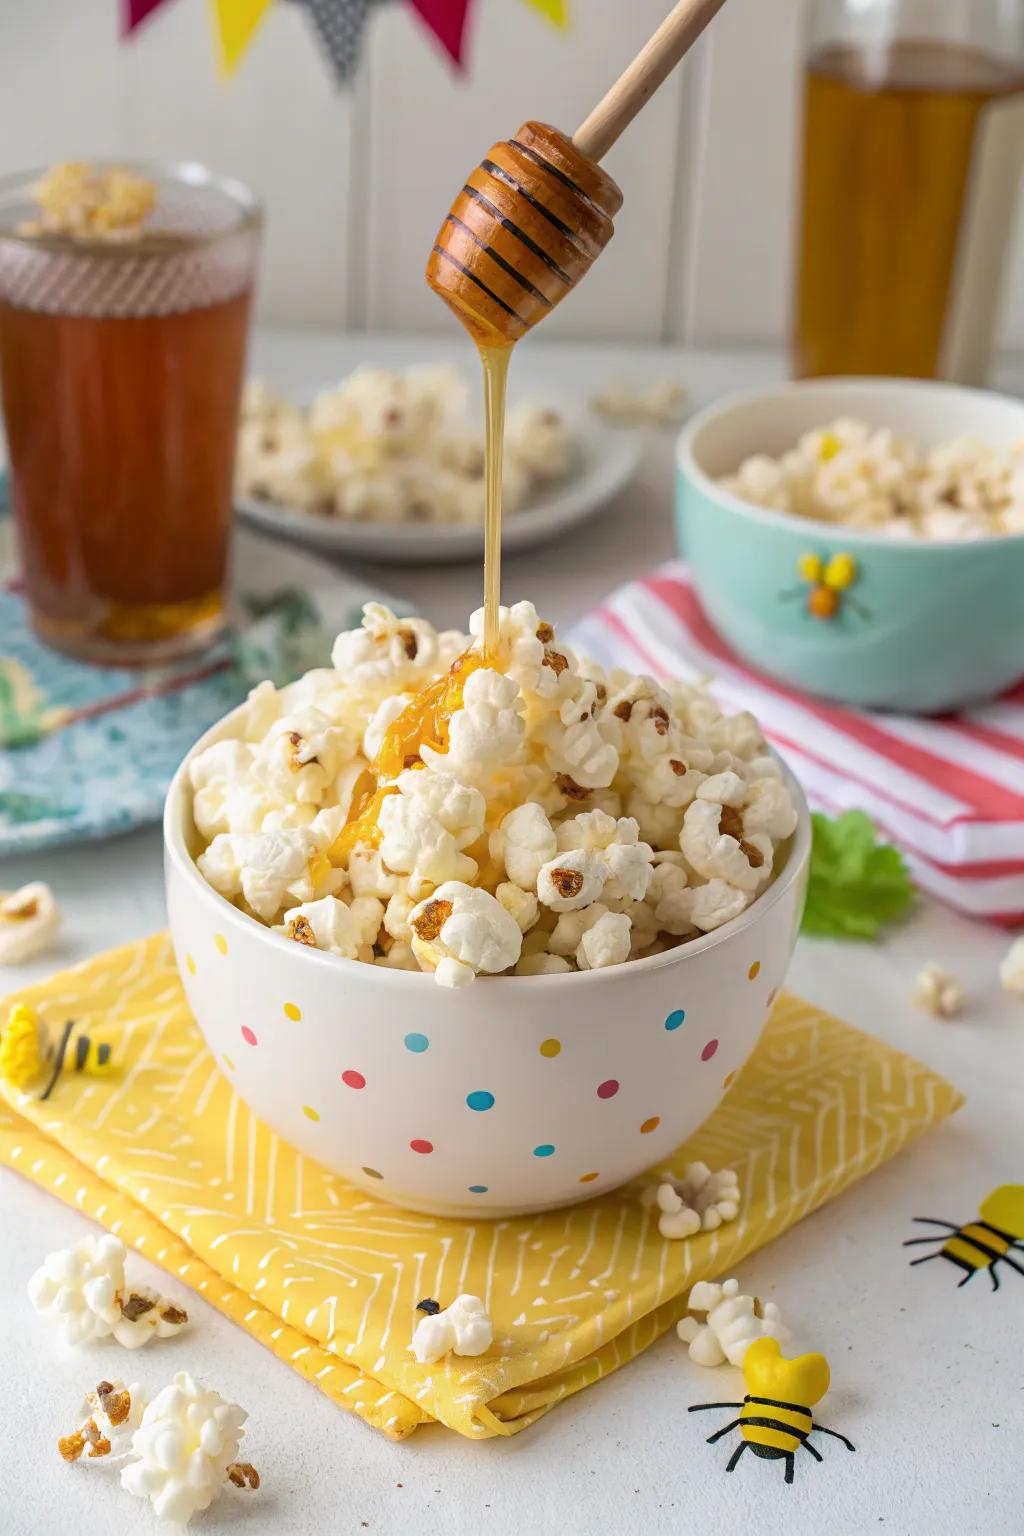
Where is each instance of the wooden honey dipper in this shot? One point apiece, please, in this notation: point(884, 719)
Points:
point(537, 212)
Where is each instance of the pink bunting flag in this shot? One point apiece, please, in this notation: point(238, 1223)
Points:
point(447, 21)
point(135, 12)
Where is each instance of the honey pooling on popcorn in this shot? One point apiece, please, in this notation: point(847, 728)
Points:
point(420, 805)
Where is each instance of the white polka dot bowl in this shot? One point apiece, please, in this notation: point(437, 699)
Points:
point(513, 1095)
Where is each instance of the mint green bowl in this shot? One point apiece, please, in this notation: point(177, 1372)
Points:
point(925, 626)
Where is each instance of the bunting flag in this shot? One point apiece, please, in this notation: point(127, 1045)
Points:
point(235, 24)
point(135, 12)
point(555, 11)
point(446, 19)
point(339, 27)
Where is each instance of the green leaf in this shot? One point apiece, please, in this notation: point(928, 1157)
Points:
point(857, 884)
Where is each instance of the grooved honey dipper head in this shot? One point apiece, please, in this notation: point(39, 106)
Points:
point(528, 224)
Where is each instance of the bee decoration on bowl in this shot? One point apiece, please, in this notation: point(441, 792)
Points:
point(981, 1244)
point(826, 582)
point(27, 1051)
point(775, 1417)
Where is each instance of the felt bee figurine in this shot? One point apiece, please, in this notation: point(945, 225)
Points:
point(981, 1244)
point(775, 1417)
point(26, 1051)
point(827, 584)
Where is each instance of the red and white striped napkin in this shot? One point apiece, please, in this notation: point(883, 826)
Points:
point(949, 789)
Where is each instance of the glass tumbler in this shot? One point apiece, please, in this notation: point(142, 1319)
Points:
point(121, 368)
point(913, 147)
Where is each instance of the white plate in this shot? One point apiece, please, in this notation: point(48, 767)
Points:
point(605, 460)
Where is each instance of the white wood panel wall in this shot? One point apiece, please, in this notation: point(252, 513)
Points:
point(356, 182)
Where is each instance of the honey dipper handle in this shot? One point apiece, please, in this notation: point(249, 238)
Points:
point(637, 84)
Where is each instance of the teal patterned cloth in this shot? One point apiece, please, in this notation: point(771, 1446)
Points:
point(86, 752)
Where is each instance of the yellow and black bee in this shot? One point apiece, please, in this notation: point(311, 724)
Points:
point(827, 580)
point(27, 1051)
point(981, 1244)
point(775, 1417)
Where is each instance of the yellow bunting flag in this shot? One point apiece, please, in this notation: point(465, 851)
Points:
point(556, 11)
point(235, 24)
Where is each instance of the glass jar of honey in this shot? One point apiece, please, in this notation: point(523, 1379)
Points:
point(121, 367)
point(913, 145)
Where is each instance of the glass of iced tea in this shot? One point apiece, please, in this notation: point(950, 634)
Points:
point(913, 145)
point(124, 311)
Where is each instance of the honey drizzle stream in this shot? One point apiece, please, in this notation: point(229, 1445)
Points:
point(495, 362)
point(426, 719)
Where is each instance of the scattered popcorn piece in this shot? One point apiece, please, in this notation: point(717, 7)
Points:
point(659, 405)
point(464, 1328)
point(461, 931)
point(731, 1324)
point(522, 905)
point(1011, 972)
point(185, 1450)
point(114, 1413)
point(29, 920)
point(83, 1290)
point(699, 1202)
point(938, 991)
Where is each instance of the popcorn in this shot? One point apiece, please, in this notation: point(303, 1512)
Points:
point(1011, 972)
point(715, 844)
point(524, 842)
point(699, 1202)
point(29, 920)
point(390, 448)
point(76, 199)
point(535, 436)
point(427, 824)
point(460, 931)
point(184, 1450)
point(332, 925)
point(627, 861)
point(486, 732)
point(418, 805)
point(262, 867)
point(83, 1290)
point(938, 991)
point(114, 1412)
point(847, 473)
point(731, 1324)
point(464, 1328)
point(572, 880)
point(607, 942)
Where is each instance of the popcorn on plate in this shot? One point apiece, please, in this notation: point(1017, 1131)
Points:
point(82, 1290)
point(855, 475)
point(419, 805)
point(390, 447)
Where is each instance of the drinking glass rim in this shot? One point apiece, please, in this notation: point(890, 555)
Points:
point(189, 173)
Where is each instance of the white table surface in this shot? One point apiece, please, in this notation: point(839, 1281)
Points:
point(927, 1379)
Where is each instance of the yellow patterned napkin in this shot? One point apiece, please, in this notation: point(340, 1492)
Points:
point(164, 1153)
